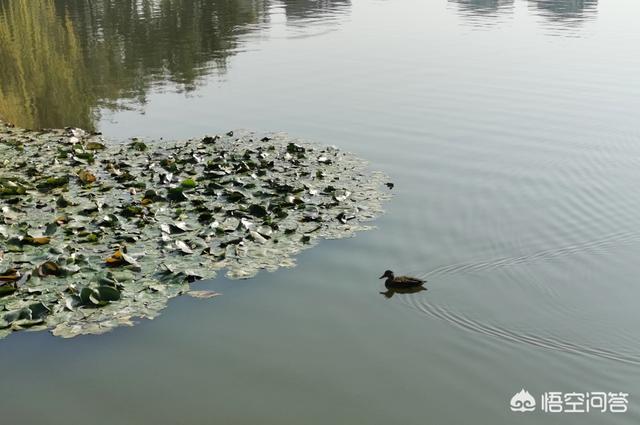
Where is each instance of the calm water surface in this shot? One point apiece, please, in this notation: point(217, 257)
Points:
point(512, 131)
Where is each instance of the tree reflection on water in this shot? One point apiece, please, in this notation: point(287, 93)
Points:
point(62, 60)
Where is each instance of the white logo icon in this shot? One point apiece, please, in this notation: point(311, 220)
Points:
point(523, 402)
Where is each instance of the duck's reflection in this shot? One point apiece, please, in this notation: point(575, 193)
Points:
point(390, 292)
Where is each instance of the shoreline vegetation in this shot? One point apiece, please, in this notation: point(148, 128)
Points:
point(95, 233)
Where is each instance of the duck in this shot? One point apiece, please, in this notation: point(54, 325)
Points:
point(401, 282)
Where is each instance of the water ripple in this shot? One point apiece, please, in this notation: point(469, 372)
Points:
point(547, 342)
point(593, 246)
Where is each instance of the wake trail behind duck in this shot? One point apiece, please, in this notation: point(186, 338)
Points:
point(467, 324)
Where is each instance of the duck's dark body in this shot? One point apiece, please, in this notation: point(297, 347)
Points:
point(401, 282)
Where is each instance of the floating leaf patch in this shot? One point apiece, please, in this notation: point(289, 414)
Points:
point(95, 234)
point(203, 294)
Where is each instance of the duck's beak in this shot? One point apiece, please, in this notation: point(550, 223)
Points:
point(382, 277)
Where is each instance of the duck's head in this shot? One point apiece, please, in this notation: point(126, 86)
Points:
point(388, 274)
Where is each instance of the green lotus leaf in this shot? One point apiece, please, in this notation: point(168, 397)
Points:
point(94, 146)
point(72, 302)
point(176, 194)
point(39, 311)
point(107, 293)
point(257, 210)
point(235, 196)
point(52, 182)
point(7, 289)
point(188, 184)
point(138, 146)
point(183, 247)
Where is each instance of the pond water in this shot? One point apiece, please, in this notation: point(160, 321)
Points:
point(511, 130)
